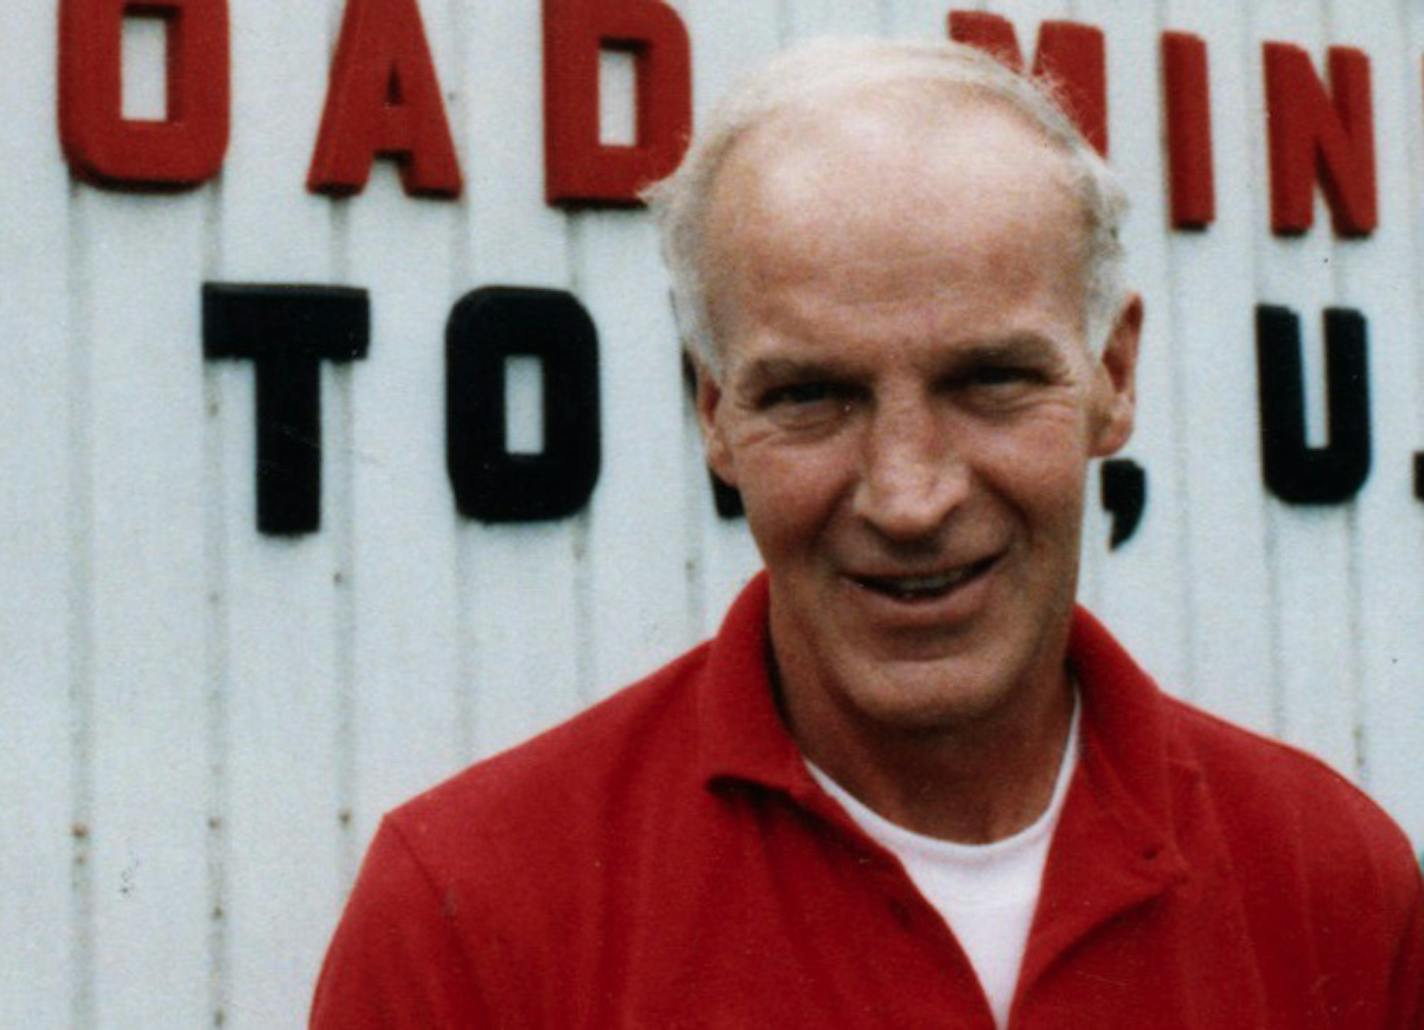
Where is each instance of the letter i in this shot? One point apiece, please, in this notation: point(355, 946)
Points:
point(1188, 104)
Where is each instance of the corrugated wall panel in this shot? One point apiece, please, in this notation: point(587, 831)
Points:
point(202, 724)
point(1396, 715)
point(1309, 548)
point(1208, 333)
point(914, 19)
point(1143, 586)
point(806, 18)
point(636, 519)
point(42, 743)
point(725, 37)
point(1387, 548)
point(279, 674)
point(145, 471)
point(519, 585)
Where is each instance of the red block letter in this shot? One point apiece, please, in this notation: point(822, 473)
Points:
point(577, 167)
point(102, 146)
point(991, 33)
point(1071, 55)
point(1188, 130)
point(384, 99)
point(1312, 135)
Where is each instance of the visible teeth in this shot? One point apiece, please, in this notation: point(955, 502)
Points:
point(930, 582)
point(910, 585)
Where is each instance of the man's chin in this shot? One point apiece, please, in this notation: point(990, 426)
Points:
point(931, 692)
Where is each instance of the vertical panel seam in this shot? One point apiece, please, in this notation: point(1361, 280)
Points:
point(461, 266)
point(1413, 67)
point(1353, 586)
point(582, 523)
point(1176, 343)
point(217, 644)
point(81, 631)
point(341, 464)
point(1270, 524)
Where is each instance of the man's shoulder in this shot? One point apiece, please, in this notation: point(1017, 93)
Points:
point(569, 779)
point(1267, 797)
point(1226, 751)
point(1274, 799)
point(474, 884)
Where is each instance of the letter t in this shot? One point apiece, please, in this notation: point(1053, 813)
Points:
point(287, 331)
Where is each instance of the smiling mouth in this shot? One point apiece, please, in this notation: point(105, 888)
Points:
point(921, 588)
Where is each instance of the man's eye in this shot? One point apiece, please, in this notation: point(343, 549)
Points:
point(796, 394)
point(807, 406)
point(999, 375)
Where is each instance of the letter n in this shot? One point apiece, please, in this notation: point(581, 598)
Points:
point(384, 99)
point(578, 168)
point(186, 148)
point(1071, 55)
point(1314, 135)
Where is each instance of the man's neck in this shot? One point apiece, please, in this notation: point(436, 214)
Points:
point(974, 783)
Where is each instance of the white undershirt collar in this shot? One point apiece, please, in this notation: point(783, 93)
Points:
point(986, 893)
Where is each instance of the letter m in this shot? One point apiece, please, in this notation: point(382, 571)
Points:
point(1070, 55)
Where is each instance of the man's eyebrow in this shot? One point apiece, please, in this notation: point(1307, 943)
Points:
point(764, 370)
point(1022, 347)
point(1015, 347)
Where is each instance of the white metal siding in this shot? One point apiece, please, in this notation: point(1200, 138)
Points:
point(201, 725)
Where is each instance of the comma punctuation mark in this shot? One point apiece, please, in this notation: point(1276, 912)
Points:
point(1122, 487)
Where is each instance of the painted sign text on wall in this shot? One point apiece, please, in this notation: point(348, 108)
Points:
point(383, 100)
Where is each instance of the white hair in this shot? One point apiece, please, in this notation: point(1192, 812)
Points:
point(832, 68)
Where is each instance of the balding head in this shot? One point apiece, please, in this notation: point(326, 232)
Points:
point(856, 103)
point(878, 191)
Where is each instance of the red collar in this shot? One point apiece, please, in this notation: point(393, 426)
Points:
point(1115, 845)
point(740, 732)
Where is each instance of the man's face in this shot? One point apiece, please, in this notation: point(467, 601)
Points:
point(907, 406)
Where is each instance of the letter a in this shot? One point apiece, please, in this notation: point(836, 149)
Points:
point(384, 99)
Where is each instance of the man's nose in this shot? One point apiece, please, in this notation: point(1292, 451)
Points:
point(913, 475)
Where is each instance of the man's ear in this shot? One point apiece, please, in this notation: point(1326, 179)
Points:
point(1116, 380)
point(707, 392)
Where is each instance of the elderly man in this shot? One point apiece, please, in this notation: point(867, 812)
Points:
point(908, 784)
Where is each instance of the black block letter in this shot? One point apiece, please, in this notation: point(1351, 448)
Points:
point(487, 326)
point(286, 331)
point(1294, 472)
point(1123, 491)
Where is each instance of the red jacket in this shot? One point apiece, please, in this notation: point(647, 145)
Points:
point(664, 860)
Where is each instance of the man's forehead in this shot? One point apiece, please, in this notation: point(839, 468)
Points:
point(879, 204)
point(840, 155)
point(890, 128)
point(877, 183)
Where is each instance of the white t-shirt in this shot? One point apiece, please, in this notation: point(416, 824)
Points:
point(985, 892)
